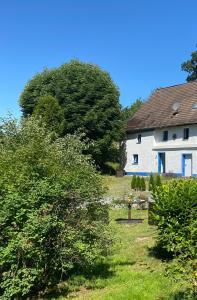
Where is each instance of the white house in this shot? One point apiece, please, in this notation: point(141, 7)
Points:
point(162, 135)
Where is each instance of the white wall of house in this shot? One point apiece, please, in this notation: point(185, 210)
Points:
point(179, 141)
point(152, 144)
point(146, 156)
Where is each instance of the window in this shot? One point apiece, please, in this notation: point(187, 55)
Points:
point(186, 133)
point(139, 138)
point(135, 159)
point(165, 135)
point(174, 136)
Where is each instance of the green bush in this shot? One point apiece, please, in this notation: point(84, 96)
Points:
point(151, 184)
point(51, 217)
point(175, 215)
point(143, 184)
point(157, 180)
point(138, 183)
point(133, 182)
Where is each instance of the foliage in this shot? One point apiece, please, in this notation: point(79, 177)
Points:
point(113, 166)
point(157, 180)
point(51, 217)
point(89, 100)
point(151, 183)
point(154, 181)
point(175, 214)
point(128, 112)
point(143, 184)
point(48, 109)
point(133, 182)
point(122, 153)
point(138, 183)
point(190, 66)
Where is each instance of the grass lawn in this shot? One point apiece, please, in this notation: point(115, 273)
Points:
point(130, 272)
point(117, 186)
point(120, 186)
point(133, 273)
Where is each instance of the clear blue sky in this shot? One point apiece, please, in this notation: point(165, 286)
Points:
point(141, 43)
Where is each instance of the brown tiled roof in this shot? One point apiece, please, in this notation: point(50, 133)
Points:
point(157, 112)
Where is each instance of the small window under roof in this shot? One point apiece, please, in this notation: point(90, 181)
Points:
point(194, 106)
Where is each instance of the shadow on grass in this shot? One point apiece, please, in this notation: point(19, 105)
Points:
point(159, 252)
point(123, 263)
point(184, 295)
point(90, 279)
point(101, 270)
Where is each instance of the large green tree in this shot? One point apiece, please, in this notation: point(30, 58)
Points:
point(50, 112)
point(128, 112)
point(89, 100)
point(190, 66)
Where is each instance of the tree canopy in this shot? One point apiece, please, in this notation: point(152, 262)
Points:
point(89, 100)
point(128, 112)
point(190, 66)
point(49, 111)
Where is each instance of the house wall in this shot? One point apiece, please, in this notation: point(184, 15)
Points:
point(174, 161)
point(178, 130)
point(145, 154)
point(152, 144)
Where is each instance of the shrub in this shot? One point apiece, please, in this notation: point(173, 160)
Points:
point(175, 215)
point(51, 216)
point(151, 183)
point(133, 182)
point(138, 183)
point(157, 180)
point(143, 184)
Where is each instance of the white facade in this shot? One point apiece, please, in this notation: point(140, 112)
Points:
point(176, 155)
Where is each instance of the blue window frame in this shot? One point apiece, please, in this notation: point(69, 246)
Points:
point(186, 156)
point(161, 162)
point(135, 159)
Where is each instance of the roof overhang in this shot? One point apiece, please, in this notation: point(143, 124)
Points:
point(158, 127)
point(175, 147)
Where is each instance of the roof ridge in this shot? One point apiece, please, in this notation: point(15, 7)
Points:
point(171, 86)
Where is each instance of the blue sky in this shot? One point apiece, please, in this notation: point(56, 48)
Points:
point(141, 43)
